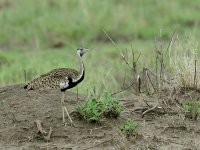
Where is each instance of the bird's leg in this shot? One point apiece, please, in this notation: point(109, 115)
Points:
point(62, 105)
point(64, 109)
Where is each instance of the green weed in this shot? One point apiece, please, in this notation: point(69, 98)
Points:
point(189, 106)
point(38, 36)
point(95, 108)
point(35, 23)
point(112, 105)
point(192, 109)
point(91, 110)
point(129, 127)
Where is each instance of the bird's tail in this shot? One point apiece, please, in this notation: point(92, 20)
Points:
point(26, 86)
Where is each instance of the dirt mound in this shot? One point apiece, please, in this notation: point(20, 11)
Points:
point(20, 109)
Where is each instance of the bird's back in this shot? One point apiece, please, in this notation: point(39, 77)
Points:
point(52, 79)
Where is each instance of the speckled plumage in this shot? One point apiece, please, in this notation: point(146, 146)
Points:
point(53, 78)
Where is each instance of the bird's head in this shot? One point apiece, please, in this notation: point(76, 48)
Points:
point(81, 51)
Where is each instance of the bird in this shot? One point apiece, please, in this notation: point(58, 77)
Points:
point(61, 78)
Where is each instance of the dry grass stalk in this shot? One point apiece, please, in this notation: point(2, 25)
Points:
point(185, 67)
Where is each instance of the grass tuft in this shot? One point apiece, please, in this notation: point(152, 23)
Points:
point(95, 108)
point(192, 109)
point(91, 110)
point(129, 127)
point(113, 106)
point(187, 107)
point(184, 64)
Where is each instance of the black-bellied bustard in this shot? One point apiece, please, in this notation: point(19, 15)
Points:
point(61, 78)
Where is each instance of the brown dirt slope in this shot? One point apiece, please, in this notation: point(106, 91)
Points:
point(19, 109)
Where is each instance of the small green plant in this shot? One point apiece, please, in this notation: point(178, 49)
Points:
point(112, 105)
point(91, 110)
point(192, 109)
point(189, 106)
point(129, 127)
point(94, 108)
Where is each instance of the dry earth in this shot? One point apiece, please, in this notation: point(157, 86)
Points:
point(161, 129)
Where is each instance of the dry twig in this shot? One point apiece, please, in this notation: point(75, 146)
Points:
point(126, 61)
point(39, 127)
point(115, 45)
point(126, 88)
point(148, 110)
point(42, 131)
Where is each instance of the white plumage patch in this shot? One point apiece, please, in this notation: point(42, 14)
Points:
point(78, 78)
point(63, 84)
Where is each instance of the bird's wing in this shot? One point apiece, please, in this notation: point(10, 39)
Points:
point(62, 76)
point(57, 78)
point(62, 73)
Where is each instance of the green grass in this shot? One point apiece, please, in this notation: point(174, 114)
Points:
point(31, 23)
point(95, 107)
point(91, 110)
point(192, 109)
point(38, 36)
point(113, 106)
point(129, 127)
point(104, 66)
point(189, 106)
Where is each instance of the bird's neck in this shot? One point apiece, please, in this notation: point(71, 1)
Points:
point(81, 71)
point(82, 68)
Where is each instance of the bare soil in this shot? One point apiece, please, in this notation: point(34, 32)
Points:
point(162, 128)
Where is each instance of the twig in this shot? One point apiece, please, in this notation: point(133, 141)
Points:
point(134, 64)
point(148, 110)
point(132, 53)
point(138, 57)
point(145, 81)
point(126, 60)
point(139, 84)
point(123, 89)
point(151, 82)
point(146, 103)
point(171, 40)
point(161, 69)
point(195, 74)
point(115, 45)
point(156, 51)
point(39, 127)
point(47, 138)
point(157, 76)
point(42, 131)
point(61, 136)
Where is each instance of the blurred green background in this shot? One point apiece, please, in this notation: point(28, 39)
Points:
point(39, 35)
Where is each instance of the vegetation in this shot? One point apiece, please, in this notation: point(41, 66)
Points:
point(188, 106)
point(54, 23)
point(39, 36)
point(113, 106)
point(129, 126)
point(91, 110)
point(192, 109)
point(94, 108)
